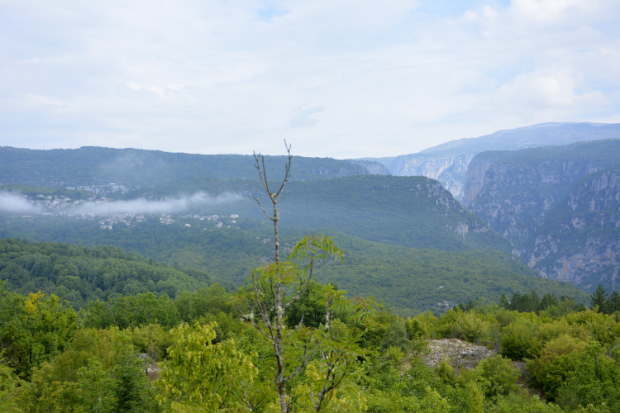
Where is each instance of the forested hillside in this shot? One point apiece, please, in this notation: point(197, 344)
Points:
point(134, 167)
point(80, 274)
point(410, 280)
point(410, 211)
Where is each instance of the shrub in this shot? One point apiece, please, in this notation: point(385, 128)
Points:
point(471, 328)
point(518, 340)
point(500, 376)
point(557, 363)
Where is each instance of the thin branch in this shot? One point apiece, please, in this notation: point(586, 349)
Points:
point(287, 173)
point(262, 209)
point(304, 363)
point(245, 396)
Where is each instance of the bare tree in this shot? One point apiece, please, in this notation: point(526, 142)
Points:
point(278, 285)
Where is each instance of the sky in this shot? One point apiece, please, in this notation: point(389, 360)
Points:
point(342, 79)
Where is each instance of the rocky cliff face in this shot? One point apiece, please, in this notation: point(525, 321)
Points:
point(373, 167)
point(449, 170)
point(521, 186)
point(514, 199)
point(474, 179)
point(580, 240)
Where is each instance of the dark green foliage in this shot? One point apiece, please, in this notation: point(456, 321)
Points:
point(607, 304)
point(33, 191)
point(132, 390)
point(80, 274)
point(310, 310)
point(424, 277)
point(532, 302)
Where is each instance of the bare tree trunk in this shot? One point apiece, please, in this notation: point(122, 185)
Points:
point(278, 304)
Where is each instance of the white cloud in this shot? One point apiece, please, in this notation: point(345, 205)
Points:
point(547, 89)
point(168, 206)
point(15, 204)
point(221, 77)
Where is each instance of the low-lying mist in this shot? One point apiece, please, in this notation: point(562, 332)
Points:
point(16, 204)
point(167, 206)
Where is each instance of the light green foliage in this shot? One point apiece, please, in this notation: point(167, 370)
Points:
point(521, 403)
point(596, 382)
point(518, 340)
point(556, 363)
point(40, 329)
point(603, 327)
point(152, 340)
point(446, 372)
point(499, 376)
point(8, 389)
point(471, 328)
point(199, 376)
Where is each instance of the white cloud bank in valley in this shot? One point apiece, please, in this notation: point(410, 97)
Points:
point(16, 204)
point(167, 206)
point(335, 78)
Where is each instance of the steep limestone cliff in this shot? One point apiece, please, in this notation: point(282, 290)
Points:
point(478, 167)
point(518, 190)
point(373, 167)
point(579, 241)
point(449, 170)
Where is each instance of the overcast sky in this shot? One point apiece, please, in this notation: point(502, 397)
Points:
point(335, 78)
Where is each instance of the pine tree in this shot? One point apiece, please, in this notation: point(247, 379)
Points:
point(599, 298)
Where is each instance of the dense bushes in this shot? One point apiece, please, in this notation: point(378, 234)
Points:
point(95, 360)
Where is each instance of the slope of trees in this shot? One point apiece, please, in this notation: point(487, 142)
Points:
point(80, 274)
point(410, 280)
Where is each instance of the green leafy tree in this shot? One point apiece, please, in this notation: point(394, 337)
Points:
point(500, 376)
point(42, 328)
point(199, 376)
point(518, 340)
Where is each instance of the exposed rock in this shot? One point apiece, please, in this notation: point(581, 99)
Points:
point(461, 354)
point(580, 241)
point(449, 170)
point(475, 175)
point(373, 167)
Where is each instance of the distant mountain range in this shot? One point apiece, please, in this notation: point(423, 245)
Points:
point(135, 167)
point(448, 162)
point(547, 195)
